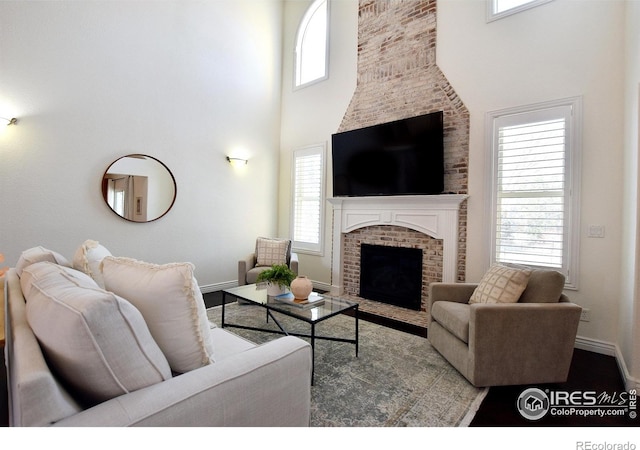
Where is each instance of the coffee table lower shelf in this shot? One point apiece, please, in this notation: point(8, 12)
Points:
point(290, 311)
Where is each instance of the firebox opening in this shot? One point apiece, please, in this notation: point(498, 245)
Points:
point(391, 275)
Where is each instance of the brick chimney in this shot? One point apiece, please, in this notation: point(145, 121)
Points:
point(398, 78)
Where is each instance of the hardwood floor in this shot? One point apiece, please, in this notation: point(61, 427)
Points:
point(589, 372)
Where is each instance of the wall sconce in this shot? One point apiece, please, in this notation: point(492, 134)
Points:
point(12, 121)
point(237, 162)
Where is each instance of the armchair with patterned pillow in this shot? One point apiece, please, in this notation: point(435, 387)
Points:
point(514, 327)
point(268, 251)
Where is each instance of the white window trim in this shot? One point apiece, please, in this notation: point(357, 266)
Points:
point(304, 247)
point(491, 15)
point(301, 29)
point(573, 179)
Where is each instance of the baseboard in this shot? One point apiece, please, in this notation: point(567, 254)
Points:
point(593, 345)
point(322, 286)
point(610, 349)
point(630, 382)
point(207, 288)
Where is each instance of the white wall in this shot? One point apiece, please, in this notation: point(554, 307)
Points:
point(312, 114)
point(561, 49)
point(187, 82)
point(629, 325)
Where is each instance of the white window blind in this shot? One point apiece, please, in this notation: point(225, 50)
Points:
point(531, 189)
point(534, 157)
point(308, 198)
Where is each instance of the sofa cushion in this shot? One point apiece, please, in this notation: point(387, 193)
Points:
point(88, 257)
point(170, 300)
point(38, 254)
point(252, 275)
point(545, 286)
point(454, 317)
point(229, 344)
point(95, 341)
point(501, 284)
point(272, 251)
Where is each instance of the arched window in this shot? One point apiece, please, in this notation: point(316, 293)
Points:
point(312, 44)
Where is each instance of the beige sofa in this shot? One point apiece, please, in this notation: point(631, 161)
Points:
point(528, 341)
point(237, 382)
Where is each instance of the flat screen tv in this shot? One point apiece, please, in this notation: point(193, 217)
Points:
point(404, 157)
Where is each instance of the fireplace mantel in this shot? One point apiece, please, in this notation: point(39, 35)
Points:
point(434, 215)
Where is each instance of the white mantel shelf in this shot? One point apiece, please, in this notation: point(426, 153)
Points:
point(434, 215)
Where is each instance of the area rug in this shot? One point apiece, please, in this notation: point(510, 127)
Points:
point(397, 380)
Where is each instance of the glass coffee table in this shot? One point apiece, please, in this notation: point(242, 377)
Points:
point(330, 307)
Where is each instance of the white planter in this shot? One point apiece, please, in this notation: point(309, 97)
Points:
point(274, 290)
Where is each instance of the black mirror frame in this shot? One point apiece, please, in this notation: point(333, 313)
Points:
point(139, 155)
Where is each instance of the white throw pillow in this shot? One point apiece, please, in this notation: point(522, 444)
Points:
point(88, 257)
point(170, 300)
point(37, 254)
point(501, 284)
point(97, 342)
point(41, 272)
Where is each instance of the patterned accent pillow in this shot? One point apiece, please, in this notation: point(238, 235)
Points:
point(501, 284)
point(272, 251)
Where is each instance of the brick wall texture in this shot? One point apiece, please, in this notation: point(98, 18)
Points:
point(398, 78)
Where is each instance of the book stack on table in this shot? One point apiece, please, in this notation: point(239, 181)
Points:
point(313, 300)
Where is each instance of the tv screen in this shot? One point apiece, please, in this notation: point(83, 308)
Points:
point(404, 157)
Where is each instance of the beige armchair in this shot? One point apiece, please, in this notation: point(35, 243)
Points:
point(530, 341)
point(268, 251)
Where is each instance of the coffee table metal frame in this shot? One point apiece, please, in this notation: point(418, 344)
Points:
point(331, 307)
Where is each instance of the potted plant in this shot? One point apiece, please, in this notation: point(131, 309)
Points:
point(278, 278)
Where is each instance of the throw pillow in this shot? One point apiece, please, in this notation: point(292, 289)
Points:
point(88, 257)
point(501, 284)
point(41, 271)
point(170, 300)
point(272, 251)
point(37, 254)
point(97, 342)
point(545, 286)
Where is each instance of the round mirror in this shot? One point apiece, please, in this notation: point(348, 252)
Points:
point(139, 188)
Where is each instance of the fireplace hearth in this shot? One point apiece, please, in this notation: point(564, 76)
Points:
point(391, 275)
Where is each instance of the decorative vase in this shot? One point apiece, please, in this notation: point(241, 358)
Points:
point(301, 287)
point(274, 289)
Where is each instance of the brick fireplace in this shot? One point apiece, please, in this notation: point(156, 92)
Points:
point(427, 222)
point(398, 78)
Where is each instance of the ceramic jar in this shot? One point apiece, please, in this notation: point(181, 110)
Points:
point(301, 287)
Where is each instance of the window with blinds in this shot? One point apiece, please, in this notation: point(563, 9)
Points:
point(534, 155)
point(308, 199)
